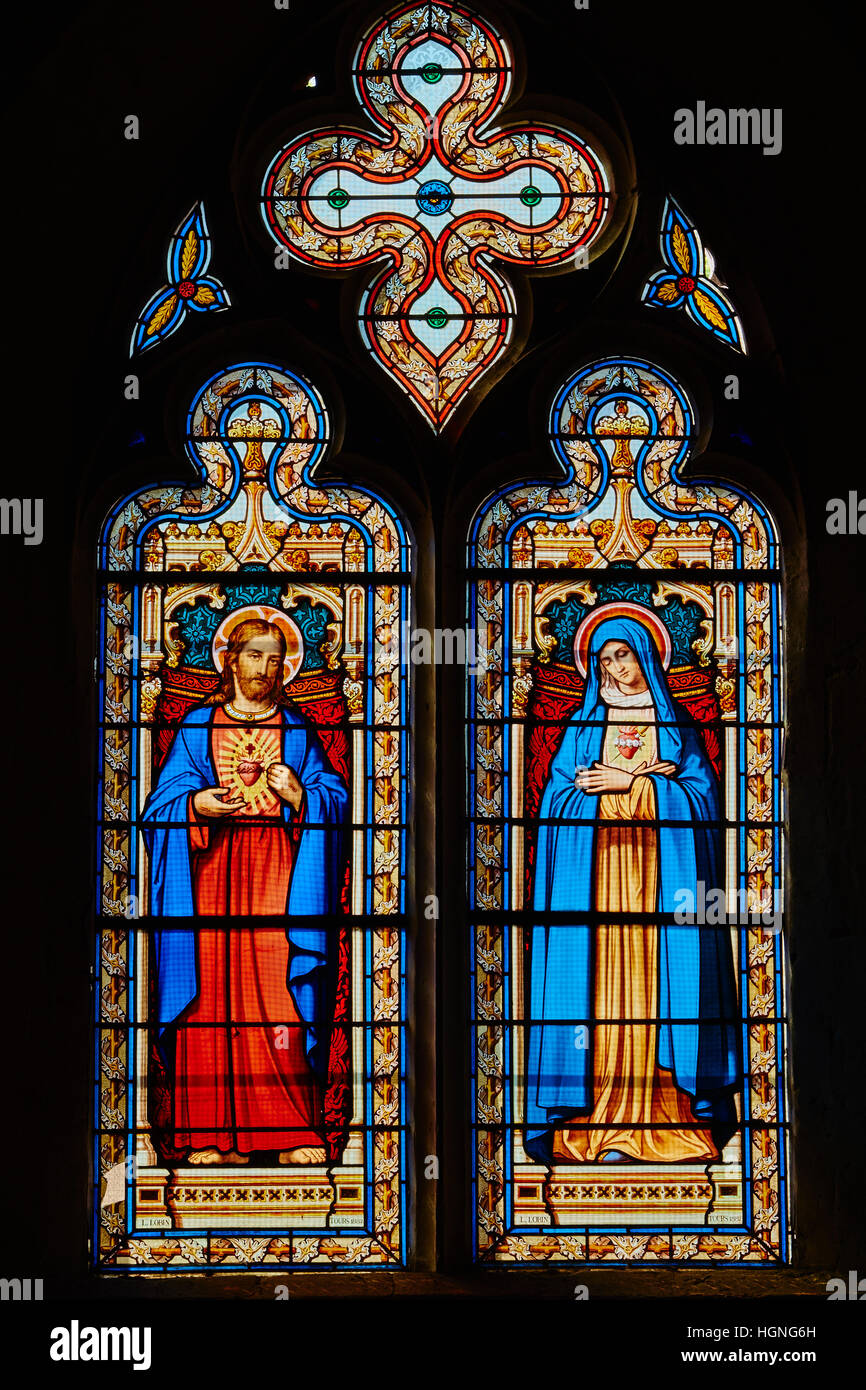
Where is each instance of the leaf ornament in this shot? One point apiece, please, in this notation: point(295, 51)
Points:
point(681, 249)
point(189, 289)
point(689, 281)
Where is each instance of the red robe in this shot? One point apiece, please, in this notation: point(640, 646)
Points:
point(242, 1080)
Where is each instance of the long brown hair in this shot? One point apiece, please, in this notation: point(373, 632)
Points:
point(243, 633)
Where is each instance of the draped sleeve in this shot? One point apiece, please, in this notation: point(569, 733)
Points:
point(166, 828)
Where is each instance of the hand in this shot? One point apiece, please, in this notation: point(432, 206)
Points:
point(665, 769)
point(282, 780)
point(208, 803)
point(599, 779)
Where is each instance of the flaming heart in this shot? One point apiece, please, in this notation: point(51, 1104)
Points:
point(249, 772)
point(629, 741)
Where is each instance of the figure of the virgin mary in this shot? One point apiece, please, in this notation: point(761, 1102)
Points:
point(633, 1048)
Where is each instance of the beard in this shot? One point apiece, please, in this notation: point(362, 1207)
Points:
point(256, 688)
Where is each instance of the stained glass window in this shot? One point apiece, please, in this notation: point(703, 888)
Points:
point(189, 289)
point(626, 855)
point(689, 280)
point(249, 1107)
point(440, 201)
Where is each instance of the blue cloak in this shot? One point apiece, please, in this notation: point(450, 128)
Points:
point(314, 883)
point(696, 975)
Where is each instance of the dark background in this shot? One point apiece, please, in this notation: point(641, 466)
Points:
point(89, 216)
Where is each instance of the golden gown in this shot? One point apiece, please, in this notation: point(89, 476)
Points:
point(638, 1109)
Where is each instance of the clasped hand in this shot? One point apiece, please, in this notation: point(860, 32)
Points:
point(223, 801)
point(600, 778)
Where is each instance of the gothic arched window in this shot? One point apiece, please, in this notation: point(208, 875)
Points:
point(255, 720)
point(626, 847)
point(272, 1010)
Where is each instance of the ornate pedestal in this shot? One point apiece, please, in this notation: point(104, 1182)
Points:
point(635, 1194)
point(628, 1194)
point(226, 1197)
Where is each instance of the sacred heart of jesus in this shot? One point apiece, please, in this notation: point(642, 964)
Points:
point(250, 760)
point(244, 762)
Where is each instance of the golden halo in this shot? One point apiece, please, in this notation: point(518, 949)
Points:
point(290, 630)
point(654, 626)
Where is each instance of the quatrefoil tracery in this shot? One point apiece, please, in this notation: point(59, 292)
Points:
point(437, 199)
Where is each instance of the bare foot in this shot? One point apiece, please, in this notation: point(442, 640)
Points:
point(217, 1156)
point(303, 1155)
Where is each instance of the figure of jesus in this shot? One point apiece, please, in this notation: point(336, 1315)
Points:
point(246, 820)
point(633, 1050)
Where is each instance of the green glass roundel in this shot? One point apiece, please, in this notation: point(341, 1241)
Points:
point(431, 72)
point(338, 198)
point(437, 317)
point(530, 196)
